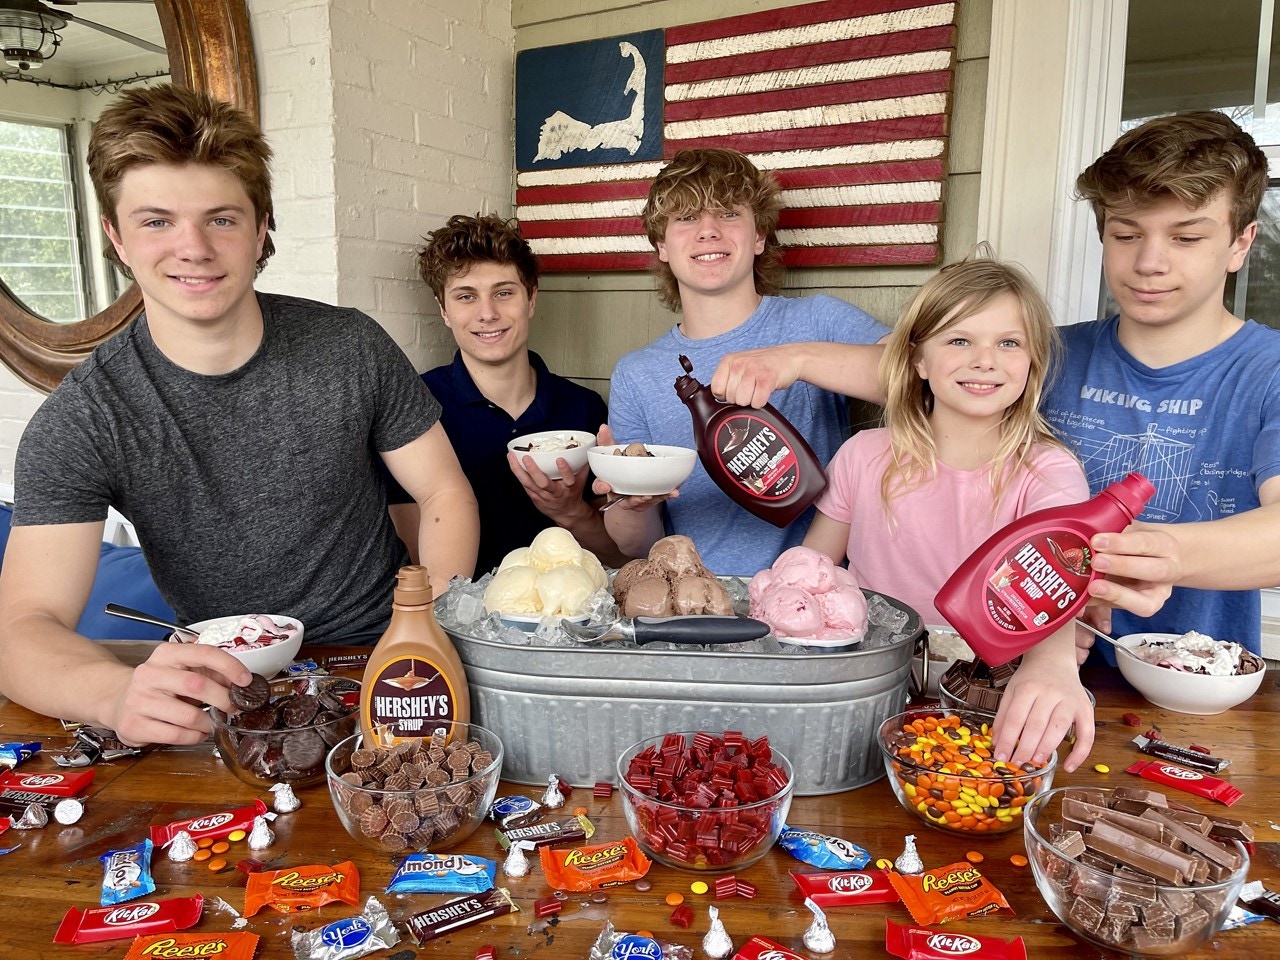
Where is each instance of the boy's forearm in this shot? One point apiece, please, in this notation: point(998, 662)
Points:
point(588, 527)
point(1240, 552)
point(852, 370)
point(634, 531)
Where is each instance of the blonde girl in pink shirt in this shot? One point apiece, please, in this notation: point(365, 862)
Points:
point(963, 452)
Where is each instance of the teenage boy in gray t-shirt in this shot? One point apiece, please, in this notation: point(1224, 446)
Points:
point(237, 431)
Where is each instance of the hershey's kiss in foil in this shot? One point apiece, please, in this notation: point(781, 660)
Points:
point(286, 801)
point(553, 799)
point(182, 848)
point(261, 836)
point(35, 817)
point(716, 944)
point(818, 938)
point(909, 860)
point(517, 864)
point(69, 810)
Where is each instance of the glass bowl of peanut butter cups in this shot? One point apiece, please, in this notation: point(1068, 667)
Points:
point(1131, 871)
point(423, 793)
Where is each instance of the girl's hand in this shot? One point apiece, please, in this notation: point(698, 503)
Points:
point(1040, 704)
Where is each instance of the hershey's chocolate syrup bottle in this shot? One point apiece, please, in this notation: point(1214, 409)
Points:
point(755, 455)
point(414, 682)
point(1031, 577)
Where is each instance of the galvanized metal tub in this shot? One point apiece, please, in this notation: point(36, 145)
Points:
point(573, 710)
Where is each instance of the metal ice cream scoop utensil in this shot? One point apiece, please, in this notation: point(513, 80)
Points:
point(128, 613)
point(1115, 644)
point(690, 629)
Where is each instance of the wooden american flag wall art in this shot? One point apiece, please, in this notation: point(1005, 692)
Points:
point(846, 101)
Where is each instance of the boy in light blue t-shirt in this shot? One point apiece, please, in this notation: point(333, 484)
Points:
point(711, 216)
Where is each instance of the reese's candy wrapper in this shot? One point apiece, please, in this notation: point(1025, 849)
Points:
point(593, 867)
point(948, 893)
point(215, 826)
point(224, 946)
point(132, 920)
point(126, 874)
point(847, 888)
point(819, 850)
point(56, 783)
point(302, 888)
point(913, 943)
point(443, 873)
point(349, 938)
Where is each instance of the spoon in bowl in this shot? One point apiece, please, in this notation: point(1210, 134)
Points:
point(1115, 644)
point(128, 613)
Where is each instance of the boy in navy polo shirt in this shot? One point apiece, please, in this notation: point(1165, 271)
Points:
point(485, 280)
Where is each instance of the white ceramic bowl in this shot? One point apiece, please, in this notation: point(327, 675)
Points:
point(546, 459)
point(265, 661)
point(1184, 692)
point(643, 476)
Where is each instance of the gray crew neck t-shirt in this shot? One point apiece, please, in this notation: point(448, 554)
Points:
point(254, 491)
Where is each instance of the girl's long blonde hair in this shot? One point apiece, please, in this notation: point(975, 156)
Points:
point(958, 291)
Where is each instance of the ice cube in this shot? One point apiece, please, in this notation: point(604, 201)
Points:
point(883, 613)
point(467, 608)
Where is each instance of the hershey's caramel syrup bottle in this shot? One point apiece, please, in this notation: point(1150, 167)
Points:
point(754, 455)
point(414, 682)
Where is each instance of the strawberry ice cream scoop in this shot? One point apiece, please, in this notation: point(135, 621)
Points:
point(806, 596)
point(791, 611)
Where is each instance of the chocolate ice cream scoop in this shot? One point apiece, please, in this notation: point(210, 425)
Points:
point(648, 597)
point(676, 556)
point(701, 594)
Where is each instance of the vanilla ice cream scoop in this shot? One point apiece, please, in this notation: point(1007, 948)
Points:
point(513, 590)
point(554, 547)
point(519, 557)
point(563, 590)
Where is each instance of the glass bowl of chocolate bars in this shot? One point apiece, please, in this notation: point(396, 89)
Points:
point(283, 728)
point(1127, 870)
point(421, 793)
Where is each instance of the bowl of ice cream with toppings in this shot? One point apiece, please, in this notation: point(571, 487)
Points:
point(265, 643)
point(552, 578)
point(642, 469)
point(809, 601)
point(1190, 672)
point(550, 446)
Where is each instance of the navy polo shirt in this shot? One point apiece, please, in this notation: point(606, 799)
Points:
point(480, 431)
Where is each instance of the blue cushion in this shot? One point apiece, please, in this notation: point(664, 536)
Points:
point(122, 578)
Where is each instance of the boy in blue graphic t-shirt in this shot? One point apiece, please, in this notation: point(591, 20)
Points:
point(1174, 386)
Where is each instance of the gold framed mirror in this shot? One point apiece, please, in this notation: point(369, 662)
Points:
point(210, 48)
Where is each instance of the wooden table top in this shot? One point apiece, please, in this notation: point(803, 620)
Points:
point(58, 867)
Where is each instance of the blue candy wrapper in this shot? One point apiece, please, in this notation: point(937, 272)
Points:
point(515, 811)
point(443, 873)
point(126, 874)
point(12, 754)
point(819, 850)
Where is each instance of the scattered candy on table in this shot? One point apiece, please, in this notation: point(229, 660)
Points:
point(909, 860)
point(717, 944)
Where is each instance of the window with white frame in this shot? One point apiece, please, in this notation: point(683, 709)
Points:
point(40, 250)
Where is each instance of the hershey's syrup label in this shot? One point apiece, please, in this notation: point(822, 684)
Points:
point(1037, 580)
point(751, 452)
point(412, 697)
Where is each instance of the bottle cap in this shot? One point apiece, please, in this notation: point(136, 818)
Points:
point(686, 386)
point(413, 589)
point(1132, 493)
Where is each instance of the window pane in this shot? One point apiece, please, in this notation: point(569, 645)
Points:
point(39, 246)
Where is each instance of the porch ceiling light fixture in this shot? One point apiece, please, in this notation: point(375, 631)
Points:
point(28, 33)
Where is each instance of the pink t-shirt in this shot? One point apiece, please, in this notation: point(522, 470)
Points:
point(939, 524)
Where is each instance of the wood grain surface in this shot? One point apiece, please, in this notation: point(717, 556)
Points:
point(58, 867)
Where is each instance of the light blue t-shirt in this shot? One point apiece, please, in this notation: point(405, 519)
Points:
point(1205, 431)
point(643, 406)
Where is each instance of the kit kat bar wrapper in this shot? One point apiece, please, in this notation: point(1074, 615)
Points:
point(1182, 755)
point(124, 920)
point(846, 888)
point(762, 948)
point(1192, 781)
point(55, 783)
point(215, 826)
point(918, 943)
point(462, 912)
